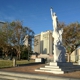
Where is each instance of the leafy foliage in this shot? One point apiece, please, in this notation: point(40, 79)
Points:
point(71, 36)
point(11, 37)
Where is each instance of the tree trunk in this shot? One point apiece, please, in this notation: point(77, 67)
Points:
point(18, 52)
point(19, 56)
point(68, 57)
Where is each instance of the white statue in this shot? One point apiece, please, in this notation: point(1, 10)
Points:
point(25, 40)
point(59, 50)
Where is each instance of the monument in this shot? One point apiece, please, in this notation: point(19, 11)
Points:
point(59, 50)
point(59, 65)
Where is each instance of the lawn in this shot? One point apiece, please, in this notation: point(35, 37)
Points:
point(9, 63)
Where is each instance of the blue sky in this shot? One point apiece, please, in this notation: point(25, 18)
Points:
point(36, 13)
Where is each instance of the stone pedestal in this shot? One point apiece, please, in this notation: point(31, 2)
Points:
point(59, 53)
point(58, 68)
point(60, 64)
point(14, 62)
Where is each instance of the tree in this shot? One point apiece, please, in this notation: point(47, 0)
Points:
point(4, 37)
point(12, 34)
point(17, 36)
point(71, 37)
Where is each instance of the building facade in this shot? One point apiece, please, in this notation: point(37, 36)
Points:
point(43, 43)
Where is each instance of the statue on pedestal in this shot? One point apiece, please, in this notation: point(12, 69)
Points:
point(59, 50)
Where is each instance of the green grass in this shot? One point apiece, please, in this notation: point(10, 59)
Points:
point(9, 63)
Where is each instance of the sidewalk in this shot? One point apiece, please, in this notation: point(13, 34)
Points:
point(27, 71)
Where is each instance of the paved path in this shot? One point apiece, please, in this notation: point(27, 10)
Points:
point(13, 79)
point(25, 76)
point(27, 72)
point(5, 79)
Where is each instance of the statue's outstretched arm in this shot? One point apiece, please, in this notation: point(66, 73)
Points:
point(51, 11)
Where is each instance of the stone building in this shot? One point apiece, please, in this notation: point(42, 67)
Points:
point(43, 43)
